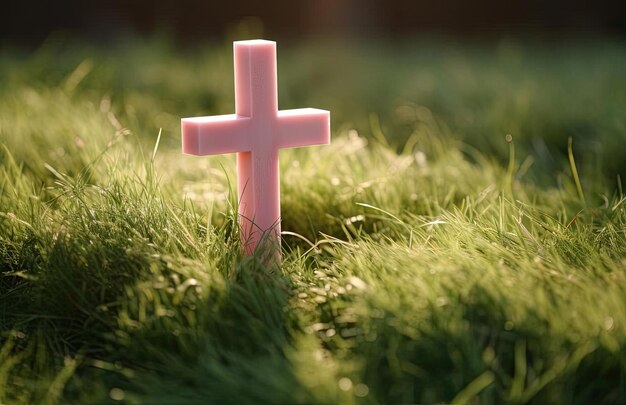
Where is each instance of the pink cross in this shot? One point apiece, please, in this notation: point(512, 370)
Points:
point(256, 131)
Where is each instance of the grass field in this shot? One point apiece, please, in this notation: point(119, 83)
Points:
point(462, 239)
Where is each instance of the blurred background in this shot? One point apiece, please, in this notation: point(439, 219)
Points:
point(480, 72)
point(30, 22)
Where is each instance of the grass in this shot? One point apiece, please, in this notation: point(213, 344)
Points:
point(428, 256)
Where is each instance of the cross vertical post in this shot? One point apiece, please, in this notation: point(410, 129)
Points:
point(256, 96)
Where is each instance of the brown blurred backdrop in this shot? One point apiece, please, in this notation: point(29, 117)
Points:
point(30, 22)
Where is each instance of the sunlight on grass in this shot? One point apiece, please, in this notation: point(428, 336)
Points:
point(419, 266)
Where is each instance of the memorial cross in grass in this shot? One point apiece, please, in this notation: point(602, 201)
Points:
point(256, 132)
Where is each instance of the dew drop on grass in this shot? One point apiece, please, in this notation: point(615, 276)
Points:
point(117, 394)
point(345, 384)
point(356, 218)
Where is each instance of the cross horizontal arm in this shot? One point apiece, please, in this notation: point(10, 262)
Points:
point(215, 135)
point(303, 127)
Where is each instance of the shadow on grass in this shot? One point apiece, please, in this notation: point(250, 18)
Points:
point(137, 294)
point(234, 353)
point(161, 328)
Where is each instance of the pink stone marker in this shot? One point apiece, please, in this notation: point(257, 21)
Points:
point(255, 132)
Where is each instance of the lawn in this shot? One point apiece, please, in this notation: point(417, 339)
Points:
point(463, 238)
